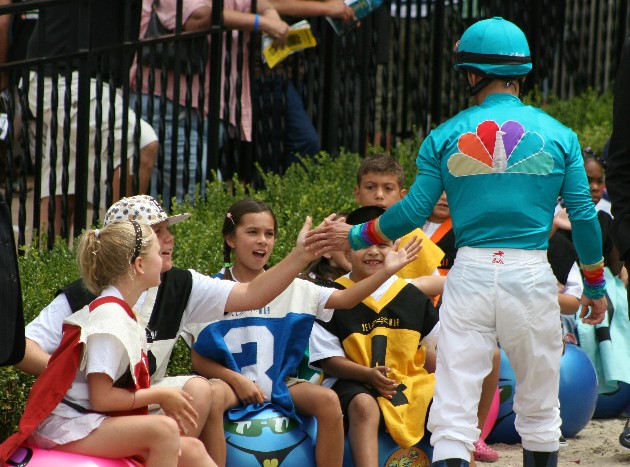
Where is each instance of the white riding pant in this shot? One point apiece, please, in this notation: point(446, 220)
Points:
point(511, 296)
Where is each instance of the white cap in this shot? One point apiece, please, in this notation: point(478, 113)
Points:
point(142, 208)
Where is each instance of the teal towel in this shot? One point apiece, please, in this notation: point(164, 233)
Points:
point(610, 357)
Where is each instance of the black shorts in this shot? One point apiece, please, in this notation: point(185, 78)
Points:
point(346, 391)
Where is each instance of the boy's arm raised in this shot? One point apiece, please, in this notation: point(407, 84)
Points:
point(429, 285)
point(394, 261)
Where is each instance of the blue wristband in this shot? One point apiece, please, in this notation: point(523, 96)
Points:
point(256, 23)
point(355, 238)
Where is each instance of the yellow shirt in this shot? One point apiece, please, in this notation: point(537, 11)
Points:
point(429, 257)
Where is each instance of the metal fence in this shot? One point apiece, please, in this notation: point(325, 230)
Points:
point(386, 80)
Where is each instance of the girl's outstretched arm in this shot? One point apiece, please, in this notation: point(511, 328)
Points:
point(267, 286)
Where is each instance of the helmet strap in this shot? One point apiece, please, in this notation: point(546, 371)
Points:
point(482, 83)
point(486, 80)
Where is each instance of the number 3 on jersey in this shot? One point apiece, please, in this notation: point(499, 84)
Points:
point(236, 338)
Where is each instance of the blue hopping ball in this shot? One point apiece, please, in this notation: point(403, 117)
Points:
point(578, 390)
point(578, 396)
point(504, 431)
point(392, 455)
point(611, 404)
point(270, 438)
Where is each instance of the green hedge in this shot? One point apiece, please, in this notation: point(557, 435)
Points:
point(317, 188)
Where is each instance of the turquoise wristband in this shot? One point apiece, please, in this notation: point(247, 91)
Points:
point(594, 292)
point(256, 23)
point(355, 238)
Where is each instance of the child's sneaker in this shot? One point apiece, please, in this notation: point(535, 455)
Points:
point(484, 453)
point(563, 442)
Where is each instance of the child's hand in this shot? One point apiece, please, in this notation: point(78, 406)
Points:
point(175, 403)
point(377, 379)
point(398, 258)
point(247, 391)
point(300, 244)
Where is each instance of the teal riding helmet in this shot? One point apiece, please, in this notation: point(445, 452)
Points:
point(494, 48)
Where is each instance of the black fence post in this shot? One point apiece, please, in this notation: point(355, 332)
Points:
point(83, 120)
point(214, 97)
point(437, 89)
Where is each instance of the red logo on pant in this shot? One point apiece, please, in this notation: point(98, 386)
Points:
point(497, 257)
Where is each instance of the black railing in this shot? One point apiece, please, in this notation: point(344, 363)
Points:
point(381, 82)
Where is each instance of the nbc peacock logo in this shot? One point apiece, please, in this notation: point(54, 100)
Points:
point(496, 149)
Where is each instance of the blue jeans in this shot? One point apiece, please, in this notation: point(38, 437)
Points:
point(299, 136)
point(195, 160)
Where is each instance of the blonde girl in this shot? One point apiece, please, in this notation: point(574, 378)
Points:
point(88, 399)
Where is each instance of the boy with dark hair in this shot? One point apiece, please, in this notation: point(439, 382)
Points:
point(380, 181)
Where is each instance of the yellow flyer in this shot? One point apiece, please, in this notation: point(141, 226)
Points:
point(300, 38)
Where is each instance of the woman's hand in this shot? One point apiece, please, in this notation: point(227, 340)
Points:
point(273, 26)
point(339, 9)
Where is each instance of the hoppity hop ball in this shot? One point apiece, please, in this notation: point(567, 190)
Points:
point(26, 456)
point(270, 438)
point(611, 404)
point(391, 454)
point(578, 390)
point(577, 394)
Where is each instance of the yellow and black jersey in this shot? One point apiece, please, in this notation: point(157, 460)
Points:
point(387, 332)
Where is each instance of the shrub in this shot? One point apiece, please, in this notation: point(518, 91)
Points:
point(589, 115)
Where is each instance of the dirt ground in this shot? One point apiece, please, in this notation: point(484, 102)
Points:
point(596, 445)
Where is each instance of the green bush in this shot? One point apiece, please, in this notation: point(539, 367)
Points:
point(316, 188)
point(589, 115)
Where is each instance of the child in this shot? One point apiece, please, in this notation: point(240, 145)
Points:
point(87, 399)
point(439, 228)
point(596, 180)
point(380, 182)
point(376, 350)
point(280, 331)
